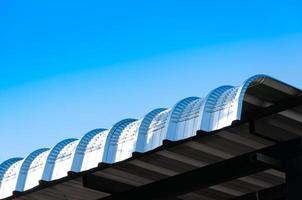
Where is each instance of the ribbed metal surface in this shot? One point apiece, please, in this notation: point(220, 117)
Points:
point(217, 110)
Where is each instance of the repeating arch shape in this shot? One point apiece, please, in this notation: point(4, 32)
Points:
point(141, 145)
point(59, 160)
point(217, 110)
point(8, 176)
point(113, 139)
point(32, 169)
point(182, 117)
point(90, 147)
point(157, 130)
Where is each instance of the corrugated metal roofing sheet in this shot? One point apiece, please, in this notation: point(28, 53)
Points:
point(219, 109)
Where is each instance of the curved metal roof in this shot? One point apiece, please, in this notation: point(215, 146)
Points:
point(148, 119)
point(86, 139)
point(176, 113)
point(26, 167)
point(82, 147)
point(52, 157)
point(144, 127)
point(157, 130)
point(6, 165)
point(8, 177)
point(180, 106)
point(217, 110)
point(214, 96)
point(113, 138)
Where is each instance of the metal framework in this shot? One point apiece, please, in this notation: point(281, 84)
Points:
point(256, 157)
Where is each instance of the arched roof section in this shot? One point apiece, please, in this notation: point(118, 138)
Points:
point(6, 165)
point(216, 107)
point(86, 139)
point(127, 141)
point(116, 130)
point(175, 115)
point(28, 160)
point(192, 109)
point(157, 131)
point(128, 132)
point(266, 89)
point(219, 109)
point(82, 148)
point(113, 138)
point(224, 104)
point(26, 165)
point(55, 151)
point(250, 82)
point(144, 126)
point(148, 119)
point(181, 106)
point(9, 171)
point(213, 97)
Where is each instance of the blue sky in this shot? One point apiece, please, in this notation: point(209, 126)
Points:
point(69, 67)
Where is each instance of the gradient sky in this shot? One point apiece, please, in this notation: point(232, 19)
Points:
point(71, 66)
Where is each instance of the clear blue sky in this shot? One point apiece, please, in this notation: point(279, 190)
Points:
point(71, 66)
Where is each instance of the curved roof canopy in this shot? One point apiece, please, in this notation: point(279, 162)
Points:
point(90, 145)
point(9, 171)
point(144, 127)
point(32, 169)
point(58, 153)
point(220, 108)
point(113, 139)
point(179, 116)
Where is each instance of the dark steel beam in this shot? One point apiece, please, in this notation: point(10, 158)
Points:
point(206, 176)
point(294, 178)
point(102, 184)
point(273, 109)
point(278, 192)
